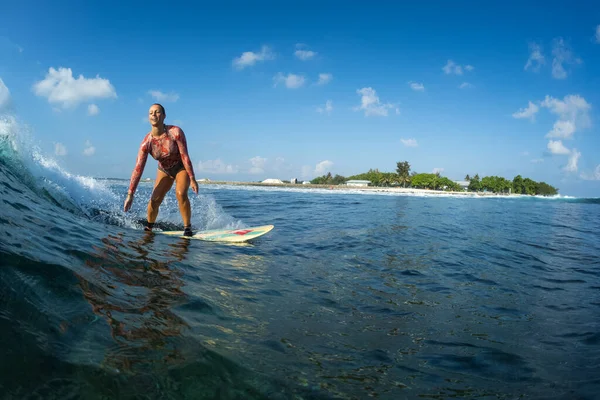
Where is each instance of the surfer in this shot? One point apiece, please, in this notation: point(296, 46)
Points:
point(167, 145)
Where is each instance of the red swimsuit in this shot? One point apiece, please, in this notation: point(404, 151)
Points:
point(169, 149)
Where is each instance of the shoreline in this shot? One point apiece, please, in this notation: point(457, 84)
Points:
point(360, 188)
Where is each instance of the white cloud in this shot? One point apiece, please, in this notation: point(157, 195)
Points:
point(562, 129)
point(217, 167)
point(93, 109)
point(324, 78)
point(4, 94)
point(249, 58)
point(60, 87)
point(371, 105)
point(573, 159)
point(536, 58)
point(60, 149)
point(453, 68)
point(572, 111)
point(258, 165)
point(437, 170)
point(89, 150)
point(557, 147)
point(594, 176)
point(163, 97)
point(327, 109)
point(537, 160)
point(409, 142)
point(305, 54)
point(291, 81)
point(562, 55)
point(417, 87)
point(598, 36)
point(525, 153)
point(323, 167)
point(466, 85)
point(528, 112)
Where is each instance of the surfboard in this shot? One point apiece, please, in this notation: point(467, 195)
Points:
point(225, 235)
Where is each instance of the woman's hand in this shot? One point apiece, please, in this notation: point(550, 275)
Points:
point(128, 202)
point(194, 185)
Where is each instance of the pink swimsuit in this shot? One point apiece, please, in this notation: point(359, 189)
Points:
point(169, 149)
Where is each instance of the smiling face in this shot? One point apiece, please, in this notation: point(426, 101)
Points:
point(156, 115)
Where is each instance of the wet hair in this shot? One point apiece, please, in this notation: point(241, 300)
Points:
point(161, 108)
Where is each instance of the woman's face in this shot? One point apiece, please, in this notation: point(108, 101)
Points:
point(156, 115)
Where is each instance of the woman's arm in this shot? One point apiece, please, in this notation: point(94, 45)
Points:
point(140, 164)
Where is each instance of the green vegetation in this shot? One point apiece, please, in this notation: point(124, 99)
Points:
point(403, 177)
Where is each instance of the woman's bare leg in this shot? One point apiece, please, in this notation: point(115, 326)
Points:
point(161, 186)
point(182, 186)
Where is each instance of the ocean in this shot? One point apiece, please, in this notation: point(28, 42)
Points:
point(353, 295)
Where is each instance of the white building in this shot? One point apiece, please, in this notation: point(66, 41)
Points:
point(358, 183)
point(463, 184)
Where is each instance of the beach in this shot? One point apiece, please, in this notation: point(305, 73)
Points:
point(365, 189)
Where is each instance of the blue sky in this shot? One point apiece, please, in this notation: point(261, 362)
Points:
point(280, 90)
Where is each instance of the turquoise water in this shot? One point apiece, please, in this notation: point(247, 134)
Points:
point(352, 295)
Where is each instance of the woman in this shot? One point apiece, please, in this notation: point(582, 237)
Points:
point(167, 145)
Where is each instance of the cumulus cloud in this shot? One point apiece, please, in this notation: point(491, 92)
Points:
point(573, 114)
point(163, 97)
point(417, 87)
point(327, 109)
point(217, 167)
point(572, 111)
point(60, 87)
point(60, 149)
point(562, 56)
point(323, 167)
point(536, 58)
point(4, 94)
point(371, 104)
point(557, 147)
point(258, 165)
point(303, 54)
point(291, 81)
point(572, 163)
point(89, 150)
point(93, 109)
point(453, 68)
point(249, 58)
point(527, 113)
point(409, 142)
point(324, 78)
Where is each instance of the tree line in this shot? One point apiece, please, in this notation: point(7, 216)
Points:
point(435, 181)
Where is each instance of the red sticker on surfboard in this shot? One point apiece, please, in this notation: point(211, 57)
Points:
point(243, 232)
